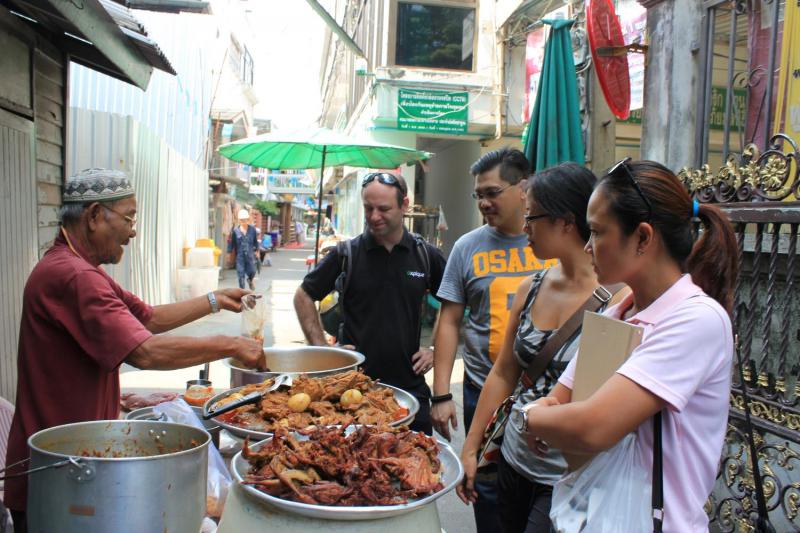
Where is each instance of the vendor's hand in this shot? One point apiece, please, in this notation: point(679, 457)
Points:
point(231, 299)
point(422, 361)
point(466, 489)
point(443, 415)
point(250, 353)
point(350, 347)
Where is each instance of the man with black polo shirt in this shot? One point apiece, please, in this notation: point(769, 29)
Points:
point(383, 300)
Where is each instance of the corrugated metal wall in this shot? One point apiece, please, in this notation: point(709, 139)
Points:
point(18, 236)
point(171, 192)
point(174, 107)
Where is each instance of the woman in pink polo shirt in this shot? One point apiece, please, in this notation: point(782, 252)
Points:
point(640, 220)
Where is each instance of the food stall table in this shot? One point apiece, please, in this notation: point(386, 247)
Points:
point(245, 514)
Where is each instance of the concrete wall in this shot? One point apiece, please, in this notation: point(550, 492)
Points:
point(450, 184)
point(671, 83)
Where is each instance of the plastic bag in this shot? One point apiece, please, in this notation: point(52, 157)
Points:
point(254, 317)
point(609, 494)
point(219, 479)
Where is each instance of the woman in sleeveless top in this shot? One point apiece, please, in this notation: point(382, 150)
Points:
point(641, 220)
point(556, 227)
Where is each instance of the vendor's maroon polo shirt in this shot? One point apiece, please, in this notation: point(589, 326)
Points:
point(78, 325)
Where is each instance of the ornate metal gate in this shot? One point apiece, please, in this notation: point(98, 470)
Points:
point(753, 188)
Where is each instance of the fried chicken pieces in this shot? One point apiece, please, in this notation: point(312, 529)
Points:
point(377, 406)
point(370, 466)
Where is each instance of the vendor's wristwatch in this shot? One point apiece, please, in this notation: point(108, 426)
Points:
point(213, 301)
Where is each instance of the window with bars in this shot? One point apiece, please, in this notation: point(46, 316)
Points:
point(743, 78)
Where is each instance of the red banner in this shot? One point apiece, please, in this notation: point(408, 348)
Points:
point(534, 57)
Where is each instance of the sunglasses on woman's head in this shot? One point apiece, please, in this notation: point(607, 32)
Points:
point(385, 178)
point(622, 168)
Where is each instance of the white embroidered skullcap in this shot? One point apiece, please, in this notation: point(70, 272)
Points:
point(97, 185)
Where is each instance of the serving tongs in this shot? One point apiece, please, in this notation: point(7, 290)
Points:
point(253, 397)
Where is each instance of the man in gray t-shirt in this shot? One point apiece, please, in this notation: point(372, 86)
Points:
point(483, 272)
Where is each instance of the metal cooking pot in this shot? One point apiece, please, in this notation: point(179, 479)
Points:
point(118, 475)
point(147, 413)
point(314, 361)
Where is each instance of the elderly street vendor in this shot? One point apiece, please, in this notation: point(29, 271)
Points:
point(78, 325)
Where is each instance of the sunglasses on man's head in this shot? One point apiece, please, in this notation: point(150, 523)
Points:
point(385, 178)
point(622, 168)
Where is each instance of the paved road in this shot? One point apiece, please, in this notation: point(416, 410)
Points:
point(278, 284)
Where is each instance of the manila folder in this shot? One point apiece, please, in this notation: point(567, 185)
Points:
point(604, 346)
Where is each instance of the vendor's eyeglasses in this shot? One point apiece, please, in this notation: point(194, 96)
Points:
point(385, 178)
point(131, 221)
point(623, 168)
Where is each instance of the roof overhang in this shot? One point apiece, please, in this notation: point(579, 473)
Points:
point(335, 28)
point(168, 6)
point(99, 34)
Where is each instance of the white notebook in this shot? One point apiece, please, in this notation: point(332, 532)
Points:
point(606, 343)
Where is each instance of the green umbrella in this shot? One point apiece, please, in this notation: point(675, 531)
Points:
point(316, 148)
point(554, 133)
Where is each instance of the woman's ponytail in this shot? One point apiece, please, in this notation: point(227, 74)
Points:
point(713, 262)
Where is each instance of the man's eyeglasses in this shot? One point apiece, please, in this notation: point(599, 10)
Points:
point(623, 168)
point(531, 218)
point(491, 194)
point(385, 178)
point(129, 220)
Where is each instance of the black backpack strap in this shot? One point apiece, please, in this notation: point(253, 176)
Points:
point(343, 254)
point(344, 250)
point(346, 261)
point(421, 247)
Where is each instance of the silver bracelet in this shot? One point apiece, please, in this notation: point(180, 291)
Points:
point(213, 301)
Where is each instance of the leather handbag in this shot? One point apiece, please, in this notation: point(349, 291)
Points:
point(489, 450)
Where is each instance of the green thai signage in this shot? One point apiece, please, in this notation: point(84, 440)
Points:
point(432, 111)
point(738, 108)
point(717, 117)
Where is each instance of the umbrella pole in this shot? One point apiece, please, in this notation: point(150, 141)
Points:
point(319, 205)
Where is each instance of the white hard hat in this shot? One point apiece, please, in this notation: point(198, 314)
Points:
point(244, 213)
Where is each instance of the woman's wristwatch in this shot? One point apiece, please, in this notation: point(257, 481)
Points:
point(522, 424)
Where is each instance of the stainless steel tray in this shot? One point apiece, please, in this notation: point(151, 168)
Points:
point(452, 472)
point(403, 398)
point(314, 361)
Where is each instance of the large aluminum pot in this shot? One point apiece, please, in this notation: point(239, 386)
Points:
point(315, 361)
point(147, 413)
point(118, 475)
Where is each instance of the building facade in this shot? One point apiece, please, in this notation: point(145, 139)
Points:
point(426, 79)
